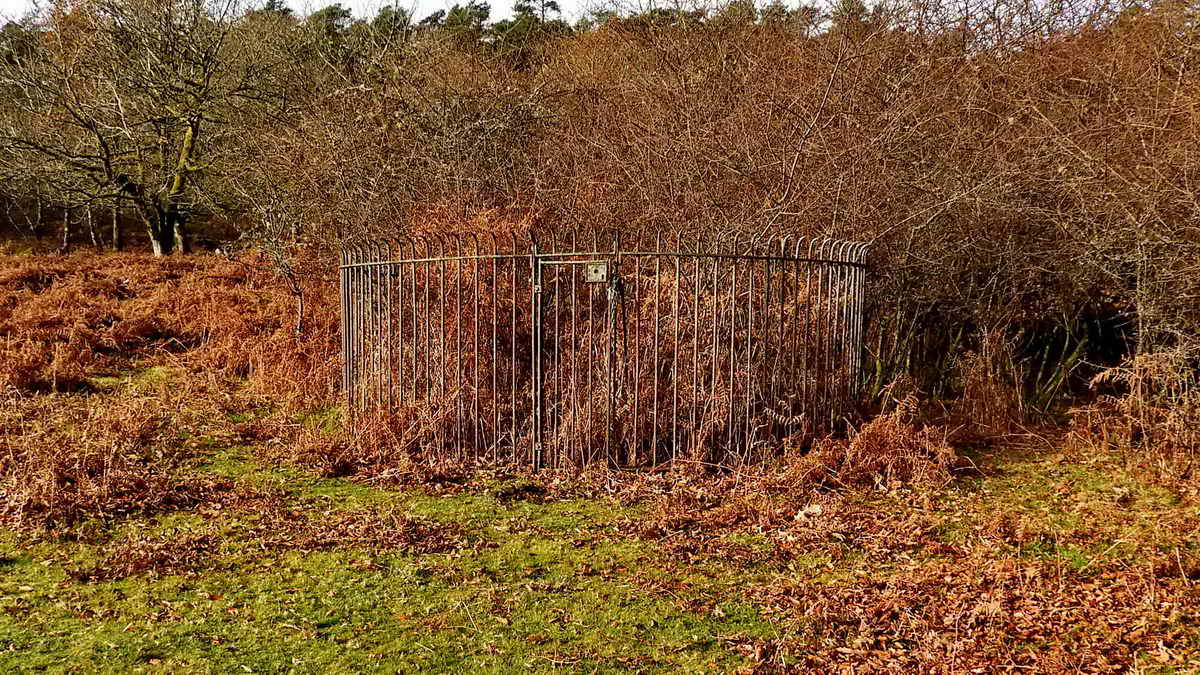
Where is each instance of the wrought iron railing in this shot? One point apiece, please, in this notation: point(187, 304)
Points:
point(630, 349)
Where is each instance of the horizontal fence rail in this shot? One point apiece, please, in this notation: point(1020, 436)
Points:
point(576, 348)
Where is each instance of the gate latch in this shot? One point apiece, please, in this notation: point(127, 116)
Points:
point(595, 272)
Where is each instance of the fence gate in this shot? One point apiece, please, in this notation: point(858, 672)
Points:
point(628, 349)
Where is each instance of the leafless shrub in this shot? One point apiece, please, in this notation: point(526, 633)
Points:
point(1153, 420)
point(887, 452)
point(992, 401)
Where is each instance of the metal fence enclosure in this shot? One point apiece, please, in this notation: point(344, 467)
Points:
point(631, 349)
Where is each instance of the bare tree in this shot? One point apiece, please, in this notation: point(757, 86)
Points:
point(130, 101)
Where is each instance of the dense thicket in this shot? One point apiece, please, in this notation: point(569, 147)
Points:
point(1024, 172)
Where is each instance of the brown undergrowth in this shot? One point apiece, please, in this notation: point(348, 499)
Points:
point(963, 615)
point(65, 319)
point(67, 457)
point(275, 526)
point(1152, 420)
point(1060, 577)
point(113, 368)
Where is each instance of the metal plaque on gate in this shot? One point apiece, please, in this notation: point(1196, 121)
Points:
point(596, 272)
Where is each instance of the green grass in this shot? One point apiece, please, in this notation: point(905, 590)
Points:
point(538, 587)
point(142, 379)
point(534, 583)
point(1080, 512)
point(533, 586)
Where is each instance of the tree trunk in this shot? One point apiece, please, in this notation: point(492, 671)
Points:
point(91, 225)
point(182, 242)
point(37, 217)
point(66, 229)
point(116, 226)
point(161, 229)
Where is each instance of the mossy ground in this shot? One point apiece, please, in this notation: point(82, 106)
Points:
point(546, 582)
point(534, 587)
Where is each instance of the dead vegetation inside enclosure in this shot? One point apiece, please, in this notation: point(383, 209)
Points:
point(709, 356)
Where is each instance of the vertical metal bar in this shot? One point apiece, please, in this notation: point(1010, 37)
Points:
point(360, 330)
point(852, 375)
point(695, 397)
point(844, 357)
point(368, 372)
point(385, 318)
point(372, 341)
point(418, 353)
point(637, 347)
point(752, 273)
point(555, 406)
point(344, 327)
point(512, 363)
point(372, 315)
point(583, 426)
point(860, 319)
point(475, 354)
point(763, 392)
point(460, 435)
point(400, 328)
point(610, 329)
point(657, 303)
point(360, 273)
point(856, 324)
point(494, 365)
point(730, 449)
point(844, 283)
point(443, 357)
point(835, 271)
point(354, 332)
point(391, 326)
point(802, 335)
point(379, 310)
point(777, 343)
point(422, 346)
point(620, 330)
point(382, 318)
point(378, 348)
point(675, 355)
point(818, 353)
point(711, 404)
point(826, 320)
point(856, 338)
point(424, 296)
point(811, 309)
point(834, 384)
point(536, 346)
point(408, 375)
point(572, 406)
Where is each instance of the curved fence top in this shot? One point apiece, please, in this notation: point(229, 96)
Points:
point(418, 246)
